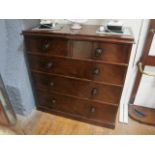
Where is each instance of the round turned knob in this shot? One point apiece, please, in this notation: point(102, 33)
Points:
point(53, 101)
point(98, 52)
point(51, 84)
point(49, 65)
point(46, 46)
point(93, 110)
point(94, 92)
point(96, 71)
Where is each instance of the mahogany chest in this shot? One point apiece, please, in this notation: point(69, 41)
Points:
point(78, 74)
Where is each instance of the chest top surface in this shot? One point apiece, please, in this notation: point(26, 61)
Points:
point(88, 32)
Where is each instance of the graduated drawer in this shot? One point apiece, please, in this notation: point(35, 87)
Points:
point(76, 87)
point(102, 72)
point(46, 45)
point(90, 111)
point(109, 52)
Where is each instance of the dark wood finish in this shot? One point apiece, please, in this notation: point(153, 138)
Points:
point(146, 59)
point(63, 103)
point(78, 73)
point(90, 70)
point(84, 89)
point(150, 61)
point(76, 117)
point(102, 113)
point(78, 108)
point(116, 53)
point(82, 49)
point(109, 52)
point(110, 73)
point(47, 45)
point(87, 33)
point(142, 114)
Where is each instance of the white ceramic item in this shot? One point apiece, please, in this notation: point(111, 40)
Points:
point(76, 23)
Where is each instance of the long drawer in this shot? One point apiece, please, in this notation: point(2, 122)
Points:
point(69, 106)
point(77, 87)
point(96, 71)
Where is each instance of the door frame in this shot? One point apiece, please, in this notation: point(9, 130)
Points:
point(132, 71)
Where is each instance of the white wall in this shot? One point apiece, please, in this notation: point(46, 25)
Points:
point(145, 95)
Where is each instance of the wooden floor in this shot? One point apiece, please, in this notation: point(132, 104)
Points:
point(46, 124)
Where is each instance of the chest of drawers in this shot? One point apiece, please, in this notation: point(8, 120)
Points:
point(77, 73)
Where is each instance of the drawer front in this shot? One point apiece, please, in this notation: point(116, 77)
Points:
point(116, 53)
point(47, 45)
point(92, 111)
point(102, 113)
point(78, 68)
point(63, 103)
point(80, 88)
point(109, 52)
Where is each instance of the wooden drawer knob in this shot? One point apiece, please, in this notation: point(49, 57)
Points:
point(93, 110)
point(53, 101)
point(94, 92)
point(98, 52)
point(96, 71)
point(49, 65)
point(51, 84)
point(46, 46)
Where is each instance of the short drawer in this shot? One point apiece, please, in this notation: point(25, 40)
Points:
point(63, 103)
point(109, 52)
point(47, 45)
point(107, 73)
point(80, 88)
